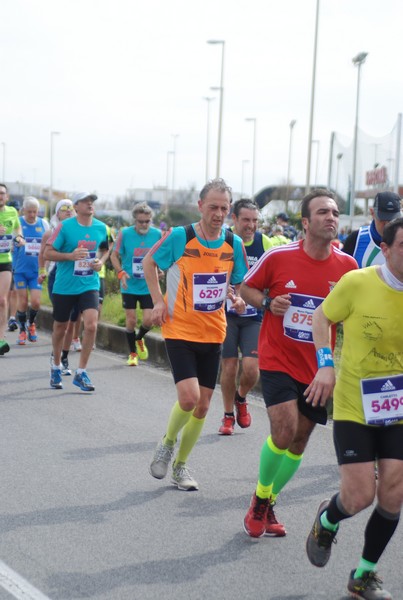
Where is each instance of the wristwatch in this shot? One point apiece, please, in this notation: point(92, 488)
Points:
point(266, 302)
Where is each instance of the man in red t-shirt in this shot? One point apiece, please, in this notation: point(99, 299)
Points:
point(289, 282)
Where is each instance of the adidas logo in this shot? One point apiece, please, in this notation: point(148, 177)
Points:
point(309, 304)
point(290, 285)
point(212, 280)
point(387, 386)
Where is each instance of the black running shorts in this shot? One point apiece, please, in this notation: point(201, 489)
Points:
point(194, 359)
point(63, 304)
point(130, 301)
point(358, 443)
point(278, 387)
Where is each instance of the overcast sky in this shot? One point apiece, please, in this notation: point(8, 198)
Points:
point(117, 78)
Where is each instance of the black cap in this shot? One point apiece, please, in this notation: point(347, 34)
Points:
point(283, 216)
point(387, 206)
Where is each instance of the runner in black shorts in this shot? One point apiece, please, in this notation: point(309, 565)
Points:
point(368, 409)
point(288, 282)
point(132, 245)
point(242, 330)
point(10, 234)
point(202, 260)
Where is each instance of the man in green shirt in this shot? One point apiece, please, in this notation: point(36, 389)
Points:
point(10, 233)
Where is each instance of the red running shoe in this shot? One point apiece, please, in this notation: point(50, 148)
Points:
point(273, 527)
point(227, 427)
point(243, 417)
point(255, 519)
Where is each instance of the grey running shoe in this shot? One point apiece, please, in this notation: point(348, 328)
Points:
point(82, 381)
point(182, 478)
point(162, 457)
point(320, 540)
point(369, 586)
point(65, 367)
point(12, 324)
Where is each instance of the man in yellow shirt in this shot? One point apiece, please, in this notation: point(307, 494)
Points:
point(368, 408)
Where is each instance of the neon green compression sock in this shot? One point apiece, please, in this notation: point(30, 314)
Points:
point(363, 567)
point(271, 458)
point(190, 434)
point(177, 420)
point(289, 466)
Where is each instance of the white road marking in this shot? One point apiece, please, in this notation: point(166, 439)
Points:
point(17, 586)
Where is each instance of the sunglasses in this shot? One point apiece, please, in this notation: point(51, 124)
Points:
point(66, 208)
point(143, 222)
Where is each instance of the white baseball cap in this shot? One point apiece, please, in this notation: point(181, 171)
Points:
point(83, 196)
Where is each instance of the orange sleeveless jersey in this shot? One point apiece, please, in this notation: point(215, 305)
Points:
point(196, 290)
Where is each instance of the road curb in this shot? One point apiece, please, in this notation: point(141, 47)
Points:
point(113, 338)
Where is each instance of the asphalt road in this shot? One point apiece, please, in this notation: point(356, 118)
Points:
point(81, 518)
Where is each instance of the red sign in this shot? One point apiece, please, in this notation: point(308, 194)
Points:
point(376, 176)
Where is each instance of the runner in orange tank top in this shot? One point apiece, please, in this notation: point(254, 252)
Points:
point(201, 261)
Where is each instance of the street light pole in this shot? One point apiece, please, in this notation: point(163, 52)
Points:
point(4, 162)
point(317, 142)
point(169, 153)
point(174, 135)
point(308, 163)
point(221, 88)
point(287, 193)
point(357, 62)
point(339, 156)
point(253, 120)
point(244, 162)
point(52, 135)
point(208, 99)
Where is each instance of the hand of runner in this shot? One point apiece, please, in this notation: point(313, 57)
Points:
point(79, 253)
point(321, 388)
point(280, 304)
point(96, 264)
point(237, 303)
point(158, 315)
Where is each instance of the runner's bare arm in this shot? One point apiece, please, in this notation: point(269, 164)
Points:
point(151, 275)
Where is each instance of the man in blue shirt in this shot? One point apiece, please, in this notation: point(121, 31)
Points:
point(26, 269)
point(74, 245)
point(131, 246)
point(364, 244)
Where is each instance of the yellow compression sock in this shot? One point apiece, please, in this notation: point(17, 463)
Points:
point(263, 491)
point(190, 434)
point(177, 420)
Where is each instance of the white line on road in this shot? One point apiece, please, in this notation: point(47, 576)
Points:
point(17, 586)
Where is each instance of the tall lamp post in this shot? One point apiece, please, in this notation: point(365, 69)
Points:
point(315, 50)
point(357, 62)
point(339, 156)
point(253, 120)
point(175, 136)
point(317, 142)
point(4, 162)
point(208, 99)
point(244, 163)
point(52, 135)
point(169, 154)
point(221, 88)
point(287, 193)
